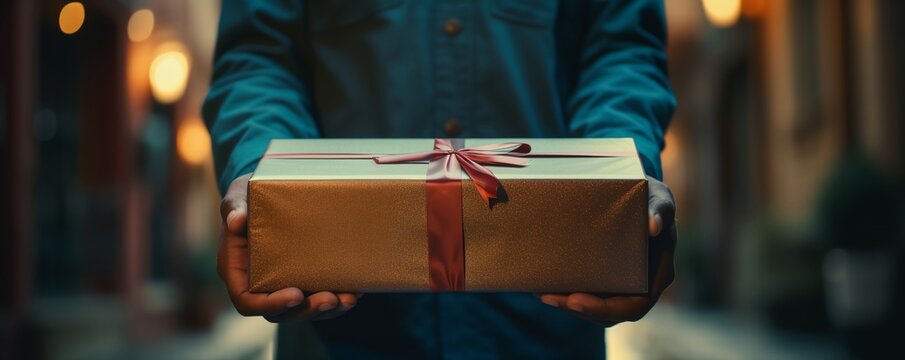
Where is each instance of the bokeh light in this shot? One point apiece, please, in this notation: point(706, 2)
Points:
point(193, 142)
point(169, 74)
point(141, 25)
point(72, 16)
point(722, 13)
point(754, 8)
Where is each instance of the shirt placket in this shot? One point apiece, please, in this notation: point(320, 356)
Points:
point(452, 38)
point(460, 330)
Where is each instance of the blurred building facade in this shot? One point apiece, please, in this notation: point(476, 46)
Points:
point(785, 157)
point(108, 194)
point(788, 167)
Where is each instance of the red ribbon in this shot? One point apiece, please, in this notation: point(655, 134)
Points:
point(446, 249)
point(446, 163)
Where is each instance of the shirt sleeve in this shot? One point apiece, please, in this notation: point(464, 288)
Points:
point(257, 91)
point(623, 89)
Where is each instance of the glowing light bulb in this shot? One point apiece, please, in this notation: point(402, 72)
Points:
point(72, 16)
point(193, 142)
point(169, 74)
point(141, 25)
point(722, 13)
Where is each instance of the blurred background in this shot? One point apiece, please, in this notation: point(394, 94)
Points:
point(785, 158)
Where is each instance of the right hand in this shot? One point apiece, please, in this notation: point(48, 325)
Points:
point(232, 265)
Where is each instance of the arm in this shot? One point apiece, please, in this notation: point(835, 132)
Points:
point(257, 90)
point(258, 94)
point(623, 89)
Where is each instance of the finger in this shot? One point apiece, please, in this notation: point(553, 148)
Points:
point(554, 300)
point(661, 205)
point(234, 206)
point(347, 301)
point(236, 220)
point(655, 224)
point(234, 198)
point(614, 309)
point(312, 308)
point(252, 304)
point(323, 301)
point(607, 311)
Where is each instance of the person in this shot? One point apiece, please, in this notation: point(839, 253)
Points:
point(395, 68)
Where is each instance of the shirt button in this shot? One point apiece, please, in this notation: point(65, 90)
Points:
point(452, 27)
point(452, 128)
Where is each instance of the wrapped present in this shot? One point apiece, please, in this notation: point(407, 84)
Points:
point(482, 215)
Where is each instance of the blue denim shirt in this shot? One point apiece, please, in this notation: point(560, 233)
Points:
point(466, 68)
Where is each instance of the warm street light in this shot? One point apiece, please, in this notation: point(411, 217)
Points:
point(723, 13)
point(169, 75)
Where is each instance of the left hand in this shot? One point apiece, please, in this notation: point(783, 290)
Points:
point(611, 310)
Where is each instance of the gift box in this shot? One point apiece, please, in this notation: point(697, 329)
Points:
point(482, 215)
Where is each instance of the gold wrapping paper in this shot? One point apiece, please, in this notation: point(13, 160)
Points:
point(570, 224)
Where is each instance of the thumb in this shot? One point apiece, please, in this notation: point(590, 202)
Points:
point(234, 208)
point(236, 219)
point(661, 207)
point(654, 224)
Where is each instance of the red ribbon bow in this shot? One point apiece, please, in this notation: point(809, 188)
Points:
point(449, 159)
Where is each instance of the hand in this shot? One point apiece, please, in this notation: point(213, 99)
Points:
point(611, 310)
point(232, 265)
